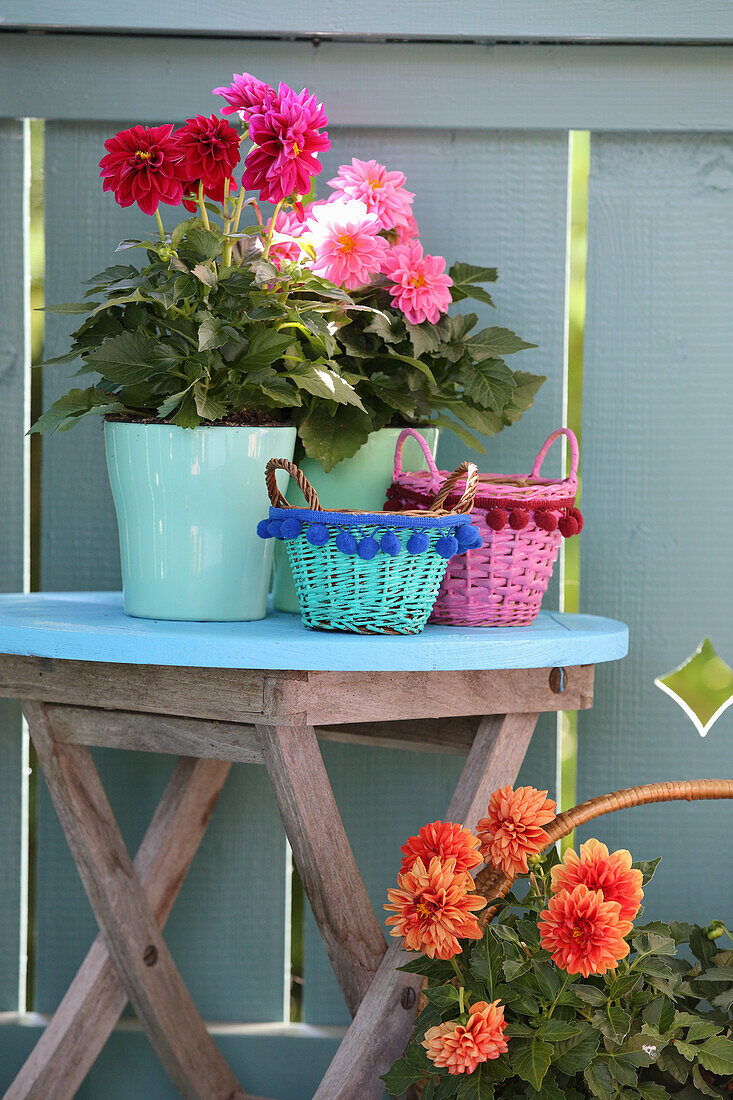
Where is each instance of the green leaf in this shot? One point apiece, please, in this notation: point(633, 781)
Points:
point(416, 363)
point(651, 1091)
point(181, 230)
point(702, 1029)
point(547, 978)
point(265, 346)
point(487, 958)
point(479, 420)
point(329, 439)
point(462, 274)
point(495, 343)
point(399, 1078)
point(389, 328)
point(443, 996)
point(555, 1030)
point(701, 1084)
point(716, 974)
point(424, 338)
point(530, 1059)
point(623, 1071)
point(64, 413)
point(716, 1055)
point(647, 868)
point(207, 406)
point(436, 969)
point(125, 359)
point(590, 994)
point(69, 307)
point(396, 399)
point(211, 333)
point(476, 1086)
point(598, 1079)
point(622, 985)
point(490, 384)
point(323, 382)
point(659, 1014)
point(205, 244)
point(573, 1055)
point(206, 274)
point(187, 415)
point(428, 1092)
point(526, 387)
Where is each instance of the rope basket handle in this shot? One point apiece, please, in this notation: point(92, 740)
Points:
point(277, 500)
point(465, 504)
point(497, 885)
point(574, 454)
point(424, 447)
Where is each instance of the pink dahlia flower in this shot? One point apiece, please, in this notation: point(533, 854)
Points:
point(421, 288)
point(144, 165)
point(284, 245)
point(346, 240)
point(246, 95)
point(382, 192)
point(211, 149)
point(287, 136)
point(408, 231)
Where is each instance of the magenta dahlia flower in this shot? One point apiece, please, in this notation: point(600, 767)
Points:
point(347, 244)
point(144, 165)
point(421, 289)
point(383, 193)
point(246, 95)
point(211, 149)
point(287, 136)
point(288, 227)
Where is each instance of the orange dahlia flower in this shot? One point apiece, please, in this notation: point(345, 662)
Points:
point(595, 868)
point(445, 840)
point(434, 908)
point(459, 1048)
point(583, 932)
point(512, 829)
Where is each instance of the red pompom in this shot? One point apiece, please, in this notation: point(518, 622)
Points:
point(546, 521)
point(496, 519)
point(568, 526)
point(518, 519)
point(577, 516)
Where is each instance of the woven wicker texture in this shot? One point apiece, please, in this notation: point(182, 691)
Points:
point(492, 883)
point(502, 582)
point(370, 573)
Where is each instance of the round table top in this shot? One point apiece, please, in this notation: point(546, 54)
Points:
point(92, 626)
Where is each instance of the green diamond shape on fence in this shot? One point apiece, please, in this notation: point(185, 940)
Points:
point(702, 686)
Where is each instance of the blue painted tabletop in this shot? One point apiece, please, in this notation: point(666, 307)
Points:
point(92, 626)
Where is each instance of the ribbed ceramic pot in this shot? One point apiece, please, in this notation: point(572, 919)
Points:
point(188, 502)
point(358, 482)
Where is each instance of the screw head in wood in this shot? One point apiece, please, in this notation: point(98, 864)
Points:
point(558, 680)
point(408, 997)
point(150, 955)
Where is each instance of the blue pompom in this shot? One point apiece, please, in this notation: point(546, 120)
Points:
point(447, 546)
point(317, 534)
point(469, 537)
point(274, 528)
point(477, 540)
point(367, 548)
point(345, 542)
point(291, 527)
point(418, 542)
point(263, 528)
point(390, 544)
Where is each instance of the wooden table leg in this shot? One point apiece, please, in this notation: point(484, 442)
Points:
point(343, 912)
point(86, 1016)
point(383, 1024)
point(128, 924)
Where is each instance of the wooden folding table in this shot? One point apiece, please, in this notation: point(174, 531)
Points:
point(263, 692)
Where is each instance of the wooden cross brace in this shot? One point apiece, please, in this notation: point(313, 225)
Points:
point(129, 960)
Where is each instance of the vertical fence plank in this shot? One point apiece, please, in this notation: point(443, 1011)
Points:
point(486, 198)
point(14, 388)
point(657, 489)
point(227, 930)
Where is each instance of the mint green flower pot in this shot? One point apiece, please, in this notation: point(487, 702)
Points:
point(359, 482)
point(188, 502)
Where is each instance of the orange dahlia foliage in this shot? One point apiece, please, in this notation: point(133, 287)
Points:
point(445, 840)
point(433, 908)
point(583, 932)
point(595, 868)
point(459, 1048)
point(512, 829)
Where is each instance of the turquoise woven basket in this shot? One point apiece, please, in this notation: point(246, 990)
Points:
point(369, 572)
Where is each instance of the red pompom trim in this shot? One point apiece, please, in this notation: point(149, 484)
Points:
point(568, 526)
point(546, 521)
point(518, 519)
point(496, 519)
point(578, 517)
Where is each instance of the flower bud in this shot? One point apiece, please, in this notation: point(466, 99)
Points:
point(715, 930)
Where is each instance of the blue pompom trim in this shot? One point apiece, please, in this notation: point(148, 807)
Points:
point(367, 548)
point(368, 519)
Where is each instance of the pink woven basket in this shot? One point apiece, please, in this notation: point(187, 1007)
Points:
point(522, 520)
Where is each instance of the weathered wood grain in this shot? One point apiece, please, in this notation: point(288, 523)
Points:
point(84, 1020)
point(142, 960)
point(323, 856)
point(381, 1027)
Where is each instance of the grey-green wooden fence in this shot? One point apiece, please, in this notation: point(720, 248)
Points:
point(479, 121)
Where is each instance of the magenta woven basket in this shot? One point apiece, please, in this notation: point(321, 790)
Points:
point(522, 520)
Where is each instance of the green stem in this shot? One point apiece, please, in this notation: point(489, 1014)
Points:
point(457, 969)
point(553, 1006)
point(160, 226)
point(226, 256)
point(202, 206)
point(271, 230)
point(461, 991)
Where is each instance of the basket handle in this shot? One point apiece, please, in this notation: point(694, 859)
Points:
point(424, 447)
point(277, 500)
point(574, 453)
point(465, 504)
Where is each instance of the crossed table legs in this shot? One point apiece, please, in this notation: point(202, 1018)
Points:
point(129, 960)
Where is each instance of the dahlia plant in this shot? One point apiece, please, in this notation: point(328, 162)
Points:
point(563, 995)
point(324, 314)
